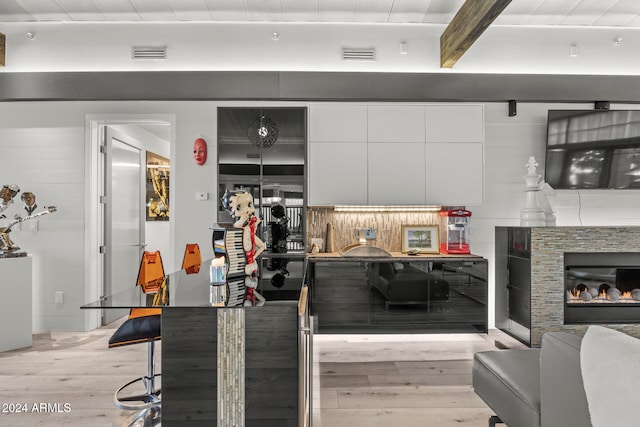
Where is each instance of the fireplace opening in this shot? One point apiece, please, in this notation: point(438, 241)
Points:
point(602, 287)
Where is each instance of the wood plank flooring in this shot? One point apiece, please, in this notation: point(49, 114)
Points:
point(399, 380)
point(359, 380)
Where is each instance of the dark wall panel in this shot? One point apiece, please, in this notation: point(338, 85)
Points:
point(179, 85)
point(317, 86)
point(271, 381)
point(189, 366)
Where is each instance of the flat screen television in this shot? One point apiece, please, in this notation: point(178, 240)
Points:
point(593, 149)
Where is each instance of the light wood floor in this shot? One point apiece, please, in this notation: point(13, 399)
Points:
point(400, 380)
point(68, 379)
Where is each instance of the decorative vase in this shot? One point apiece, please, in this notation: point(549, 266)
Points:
point(329, 240)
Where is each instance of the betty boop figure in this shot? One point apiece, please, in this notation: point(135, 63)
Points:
point(239, 204)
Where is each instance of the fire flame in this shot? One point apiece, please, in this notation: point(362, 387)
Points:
point(573, 297)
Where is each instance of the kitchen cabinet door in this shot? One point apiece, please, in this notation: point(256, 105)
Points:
point(337, 123)
point(454, 123)
point(455, 173)
point(337, 173)
point(396, 173)
point(396, 123)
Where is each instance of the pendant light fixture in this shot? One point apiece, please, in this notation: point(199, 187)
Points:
point(263, 131)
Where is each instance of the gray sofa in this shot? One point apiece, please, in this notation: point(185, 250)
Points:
point(534, 387)
point(401, 283)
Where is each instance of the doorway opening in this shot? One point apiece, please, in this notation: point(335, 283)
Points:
point(116, 229)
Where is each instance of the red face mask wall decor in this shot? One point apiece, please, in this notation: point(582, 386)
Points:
point(200, 151)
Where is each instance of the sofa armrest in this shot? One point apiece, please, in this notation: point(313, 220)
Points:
point(563, 401)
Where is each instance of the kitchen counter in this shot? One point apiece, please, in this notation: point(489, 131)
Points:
point(395, 256)
point(268, 336)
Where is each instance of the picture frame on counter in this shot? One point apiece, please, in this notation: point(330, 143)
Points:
point(423, 238)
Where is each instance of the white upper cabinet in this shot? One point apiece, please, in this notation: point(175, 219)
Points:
point(396, 150)
point(396, 173)
point(338, 123)
point(455, 173)
point(337, 173)
point(337, 155)
point(396, 123)
point(455, 123)
point(395, 154)
point(455, 154)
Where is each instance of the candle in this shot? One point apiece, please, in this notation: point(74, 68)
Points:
point(217, 272)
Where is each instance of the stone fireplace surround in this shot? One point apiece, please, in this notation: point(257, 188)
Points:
point(548, 246)
point(602, 287)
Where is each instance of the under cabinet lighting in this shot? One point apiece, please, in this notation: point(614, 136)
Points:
point(394, 208)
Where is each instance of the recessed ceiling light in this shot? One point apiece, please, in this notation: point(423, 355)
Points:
point(275, 36)
point(617, 41)
point(31, 35)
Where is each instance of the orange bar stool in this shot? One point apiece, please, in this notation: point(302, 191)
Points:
point(192, 258)
point(143, 326)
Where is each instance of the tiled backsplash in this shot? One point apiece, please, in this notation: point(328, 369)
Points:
point(388, 226)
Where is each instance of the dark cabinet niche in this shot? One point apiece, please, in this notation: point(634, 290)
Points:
point(513, 281)
point(273, 170)
point(281, 276)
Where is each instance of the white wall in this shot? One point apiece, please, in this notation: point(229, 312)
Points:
point(42, 151)
point(96, 46)
point(42, 146)
point(509, 142)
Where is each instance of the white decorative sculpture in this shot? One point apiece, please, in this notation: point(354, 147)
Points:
point(8, 249)
point(7, 193)
point(545, 192)
point(532, 215)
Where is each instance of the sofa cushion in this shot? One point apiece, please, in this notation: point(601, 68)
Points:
point(509, 382)
point(385, 268)
point(562, 398)
point(610, 364)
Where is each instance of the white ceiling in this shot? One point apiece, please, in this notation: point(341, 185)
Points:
point(601, 13)
point(529, 37)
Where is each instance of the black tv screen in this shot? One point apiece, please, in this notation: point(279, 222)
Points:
point(591, 149)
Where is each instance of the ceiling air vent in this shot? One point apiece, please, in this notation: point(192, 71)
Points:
point(141, 53)
point(358, 53)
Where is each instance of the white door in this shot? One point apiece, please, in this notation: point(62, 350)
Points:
point(123, 215)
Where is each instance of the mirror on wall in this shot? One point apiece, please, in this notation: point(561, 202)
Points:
point(262, 150)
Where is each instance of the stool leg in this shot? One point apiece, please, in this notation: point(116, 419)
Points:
point(493, 420)
point(150, 379)
point(150, 396)
point(150, 417)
